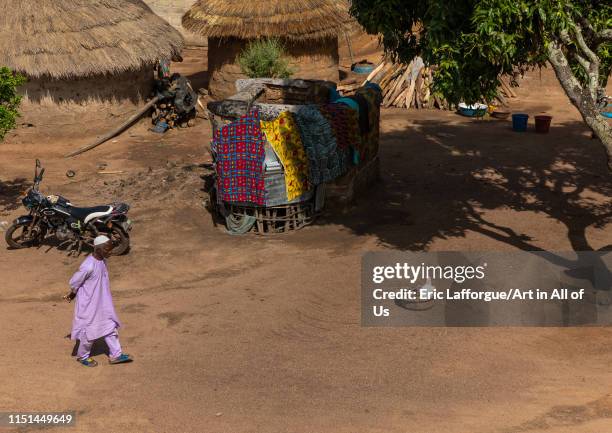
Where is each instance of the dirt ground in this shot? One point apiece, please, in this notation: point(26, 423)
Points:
point(262, 334)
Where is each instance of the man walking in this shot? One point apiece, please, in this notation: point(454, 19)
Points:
point(94, 313)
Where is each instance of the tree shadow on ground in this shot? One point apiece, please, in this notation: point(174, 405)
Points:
point(11, 192)
point(441, 180)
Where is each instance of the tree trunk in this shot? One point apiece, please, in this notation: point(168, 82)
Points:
point(581, 98)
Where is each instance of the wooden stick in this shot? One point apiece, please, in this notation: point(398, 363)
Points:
point(347, 88)
point(391, 74)
point(401, 98)
point(387, 88)
point(389, 92)
point(380, 75)
point(425, 86)
point(374, 73)
point(507, 88)
point(419, 88)
point(385, 78)
point(399, 86)
point(349, 81)
point(410, 94)
point(350, 47)
point(501, 100)
point(430, 99)
point(115, 131)
point(439, 102)
point(502, 87)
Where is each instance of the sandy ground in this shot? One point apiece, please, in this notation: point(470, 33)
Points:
point(253, 334)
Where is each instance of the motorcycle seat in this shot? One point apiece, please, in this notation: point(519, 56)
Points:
point(86, 214)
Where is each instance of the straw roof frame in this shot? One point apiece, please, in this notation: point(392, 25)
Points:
point(294, 20)
point(65, 39)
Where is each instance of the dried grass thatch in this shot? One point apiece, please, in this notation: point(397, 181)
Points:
point(295, 20)
point(78, 38)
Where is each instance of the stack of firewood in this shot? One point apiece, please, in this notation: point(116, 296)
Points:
point(410, 86)
point(505, 91)
point(167, 112)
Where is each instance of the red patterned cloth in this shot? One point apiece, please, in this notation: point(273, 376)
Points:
point(240, 161)
point(345, 124)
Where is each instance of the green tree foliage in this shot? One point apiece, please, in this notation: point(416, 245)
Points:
point(264, 58)
point(9, 99)
point(473, 42)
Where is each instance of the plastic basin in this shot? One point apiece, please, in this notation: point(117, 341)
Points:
point(542, 124)
point(519, 122)
point(474, 110)
point(363, 68)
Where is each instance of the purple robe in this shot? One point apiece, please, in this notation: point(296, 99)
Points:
point(94, 313)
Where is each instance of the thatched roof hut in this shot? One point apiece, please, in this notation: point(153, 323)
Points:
point(77, 49)
point(309, 30)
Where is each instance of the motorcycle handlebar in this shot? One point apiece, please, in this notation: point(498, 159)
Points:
point(38, 178)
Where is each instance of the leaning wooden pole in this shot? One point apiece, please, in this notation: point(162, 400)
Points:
point(350, 46)
point(115, 131)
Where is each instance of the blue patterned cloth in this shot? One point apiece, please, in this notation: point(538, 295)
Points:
point(240, 153)
point(326, 161)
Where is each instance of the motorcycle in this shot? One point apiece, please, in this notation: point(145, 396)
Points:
point(74, 227)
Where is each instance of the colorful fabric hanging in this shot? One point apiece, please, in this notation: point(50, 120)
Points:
point(345, 124)
point(284, 136)
point(372, 94)
point(240, 152)
point(326, 162)
point(364, 113)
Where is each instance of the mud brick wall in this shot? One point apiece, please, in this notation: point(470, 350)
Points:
point(173, 11)
point(132, 86)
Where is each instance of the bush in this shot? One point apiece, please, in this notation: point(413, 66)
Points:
point(264, 58)
point(9, 99)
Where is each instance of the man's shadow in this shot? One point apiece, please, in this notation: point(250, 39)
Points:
point(99, 347)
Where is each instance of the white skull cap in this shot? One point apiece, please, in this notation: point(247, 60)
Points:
point(101, 240)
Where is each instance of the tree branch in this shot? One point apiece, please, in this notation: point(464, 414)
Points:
point(563, 71)
point(592, 58)
point(584, 47)
point(596, 38)
point(588, 29)
point(581, 98)
point(605, 35)
point(583, 62)
point(565, 37)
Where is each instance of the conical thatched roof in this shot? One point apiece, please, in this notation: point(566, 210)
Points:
point(76, 38)
point(247, 19)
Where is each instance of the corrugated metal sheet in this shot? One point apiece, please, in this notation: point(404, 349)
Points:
point(276, 191)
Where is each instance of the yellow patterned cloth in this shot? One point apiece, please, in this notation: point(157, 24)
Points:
point(284, 136)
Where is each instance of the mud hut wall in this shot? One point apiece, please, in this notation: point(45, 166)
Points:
point(132, 86)
point(309, 60)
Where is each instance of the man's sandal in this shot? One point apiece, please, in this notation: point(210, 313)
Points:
point(88, 362)
point(123, 358)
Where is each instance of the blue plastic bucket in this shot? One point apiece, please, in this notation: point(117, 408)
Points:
point(519, 122)
point(363, 68)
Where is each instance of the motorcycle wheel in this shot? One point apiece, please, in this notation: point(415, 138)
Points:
point(120, 240)
point(18, 239)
